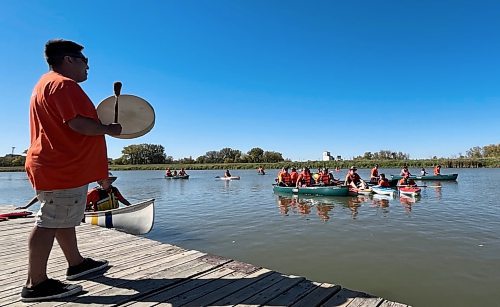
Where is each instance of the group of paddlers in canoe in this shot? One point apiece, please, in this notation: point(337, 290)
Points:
point(323, 177)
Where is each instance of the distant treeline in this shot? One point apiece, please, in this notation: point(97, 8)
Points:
point(429, 163)
point(151, 156)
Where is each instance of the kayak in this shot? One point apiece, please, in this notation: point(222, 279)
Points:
point(177, 177)
point(136, 219)
point(229, 178)
point(316, 190)
point(356, 191)
point(383, 190)
point(413, 191)
point(15, 214)
point(429, 177)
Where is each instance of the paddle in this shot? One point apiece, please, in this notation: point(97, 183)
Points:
point(420, 186)
point(31, 202)
point(117, 86)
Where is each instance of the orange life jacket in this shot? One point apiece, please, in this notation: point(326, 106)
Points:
point(285, 178)
point(306, 178)
point(353, 178)
point(384, 182)
point(437, 171)
point(374, 172)
point(293, 177)
point(325, 178)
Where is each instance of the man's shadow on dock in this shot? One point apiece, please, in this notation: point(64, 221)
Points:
point(216, 281)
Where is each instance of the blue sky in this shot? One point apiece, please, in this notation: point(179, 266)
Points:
point(297, 77)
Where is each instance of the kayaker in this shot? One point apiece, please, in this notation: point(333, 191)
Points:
point(374, 174)
point(294, 176)
point(305, 178)
point(406, 181)
point(182, 172)
point(423, 172)
point(175, 173)
point(227, 174)
point(168, 173)
point(105, 196)
point(284, 178)
point(437, 170)
point(66, 153)
point(383, 182)
point(352, 178)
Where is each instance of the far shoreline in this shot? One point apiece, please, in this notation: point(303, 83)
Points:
point(344, 164)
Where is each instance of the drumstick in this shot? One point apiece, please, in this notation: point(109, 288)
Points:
point(117, 86)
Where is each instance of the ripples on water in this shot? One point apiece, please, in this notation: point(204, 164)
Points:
point(440, 249)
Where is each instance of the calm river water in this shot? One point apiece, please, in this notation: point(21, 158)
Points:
point(441, 249)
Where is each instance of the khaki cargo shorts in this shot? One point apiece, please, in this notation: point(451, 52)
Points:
point(61, 208)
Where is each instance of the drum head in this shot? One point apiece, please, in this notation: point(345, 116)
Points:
point(135, 114)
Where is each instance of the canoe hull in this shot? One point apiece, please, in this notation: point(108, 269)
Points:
point(410, 191)
point(137, 219)
point(177, 177)
point(230, 178)
point(383, 191)
point(324, 191)
point(429, 177)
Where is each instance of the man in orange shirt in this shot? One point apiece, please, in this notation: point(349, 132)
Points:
point(67, 152)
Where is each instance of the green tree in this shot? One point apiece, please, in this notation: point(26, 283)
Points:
point(144, 154)
point(256, 155)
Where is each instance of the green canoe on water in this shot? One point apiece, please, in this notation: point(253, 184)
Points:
point(429, 177)
point(177, 177)
point(316, 190)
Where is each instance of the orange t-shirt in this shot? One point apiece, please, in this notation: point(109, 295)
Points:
point(59, 157)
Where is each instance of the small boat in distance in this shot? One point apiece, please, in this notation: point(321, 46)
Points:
point(429, 177)
point(177, 177)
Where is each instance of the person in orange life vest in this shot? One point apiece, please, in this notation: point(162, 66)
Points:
point(352, 179)
point(279, 174)
point(383, 182)
point(325, 178)
point(305, 178)
point(405, 171)
point(437, 170)
point(182, 172)
point(406, 181)
point(168, 173)
point(105, 196)
point(374, 174)
point(284, 178)
point(294, 176)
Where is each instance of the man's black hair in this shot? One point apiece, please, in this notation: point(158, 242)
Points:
point(56, 49)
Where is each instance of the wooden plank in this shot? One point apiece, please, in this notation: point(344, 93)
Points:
point(181, 288)
point(244, 279)
point(116, 272)
point(293, 294)
point(271, 292)
point(346, 297)
point(92, 249)
point(387, 303)
point(265, 281)
point(147, 283)
point(318, 296)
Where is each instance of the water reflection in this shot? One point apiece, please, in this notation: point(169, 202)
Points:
point(408, 201)
point(323, 206)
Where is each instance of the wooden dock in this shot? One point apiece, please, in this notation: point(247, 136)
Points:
point(144, 272)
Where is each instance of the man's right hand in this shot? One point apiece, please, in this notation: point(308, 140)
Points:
point(114, 129)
